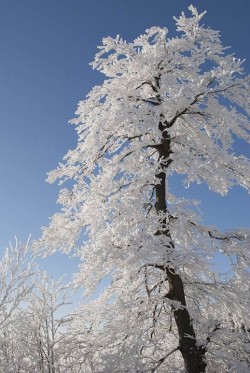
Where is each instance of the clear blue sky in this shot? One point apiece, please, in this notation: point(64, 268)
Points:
point(46, 47)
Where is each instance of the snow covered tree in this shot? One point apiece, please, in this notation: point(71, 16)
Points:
point(167, 106)
point(40, 326)
point(45, 322)
point(16, 284)
point(16, 280)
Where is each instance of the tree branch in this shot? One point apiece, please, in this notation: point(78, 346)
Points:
point(161, 361)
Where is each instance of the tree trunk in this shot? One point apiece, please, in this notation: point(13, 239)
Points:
point(193, 355)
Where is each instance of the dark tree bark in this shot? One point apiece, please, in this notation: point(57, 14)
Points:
point(193, 355)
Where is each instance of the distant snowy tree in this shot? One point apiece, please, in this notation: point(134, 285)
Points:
point(44, 324)
point(16, 280)
point(33, 341)
point(167, 106)
point(16, 284)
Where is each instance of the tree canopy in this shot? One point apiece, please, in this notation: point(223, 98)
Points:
point(168, 105)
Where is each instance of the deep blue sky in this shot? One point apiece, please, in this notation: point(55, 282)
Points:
point(46, 47)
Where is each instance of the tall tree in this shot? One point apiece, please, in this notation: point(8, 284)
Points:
point(168, 106)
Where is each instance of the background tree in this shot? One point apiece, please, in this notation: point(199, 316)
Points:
point(45, 323)
point(168, 106)
point(33, 341)
point(16, 279)
point(17, 271)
